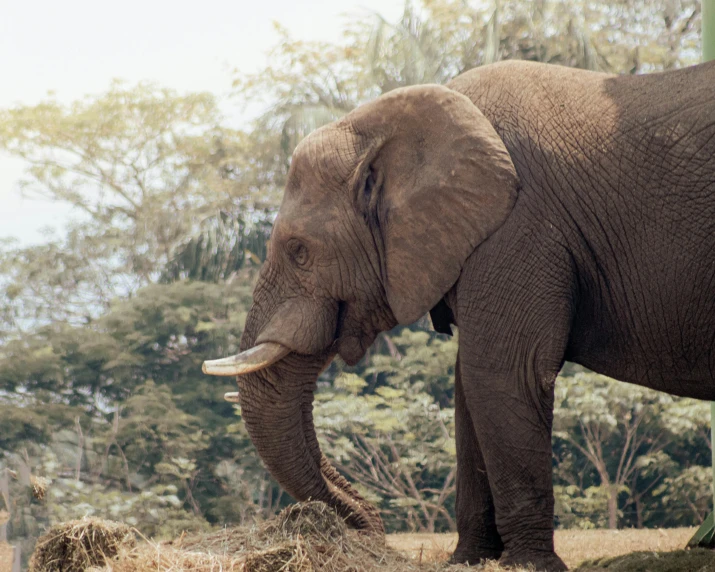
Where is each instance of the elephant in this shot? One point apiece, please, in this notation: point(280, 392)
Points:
point(551, 214)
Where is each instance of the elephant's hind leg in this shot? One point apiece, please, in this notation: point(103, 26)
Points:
point(478, 536)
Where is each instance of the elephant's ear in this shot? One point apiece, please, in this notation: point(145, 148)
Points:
point(436, 180)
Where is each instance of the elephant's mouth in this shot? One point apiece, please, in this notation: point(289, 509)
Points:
point(351, 338)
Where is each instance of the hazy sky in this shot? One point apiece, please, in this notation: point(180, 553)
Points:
point(75, 47)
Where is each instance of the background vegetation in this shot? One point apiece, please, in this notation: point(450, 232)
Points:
point(103, 329)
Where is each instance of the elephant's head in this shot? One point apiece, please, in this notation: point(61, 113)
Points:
point(380, 211)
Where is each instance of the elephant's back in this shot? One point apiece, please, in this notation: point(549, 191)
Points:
point(513, 92)
point(685, 95)
point(645, 142)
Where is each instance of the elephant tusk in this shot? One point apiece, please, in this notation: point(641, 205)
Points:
point(231, 397)
point(258, 357)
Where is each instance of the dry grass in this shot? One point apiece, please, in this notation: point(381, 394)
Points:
point(425, 546)
point(310, 537)
point(574, 546)
point(77, 545)
point(306, 537)
point(161, 558)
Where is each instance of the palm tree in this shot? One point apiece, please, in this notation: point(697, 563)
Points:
point(225, 244)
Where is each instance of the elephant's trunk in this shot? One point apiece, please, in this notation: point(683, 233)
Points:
point(278, 367)
point(277, 406)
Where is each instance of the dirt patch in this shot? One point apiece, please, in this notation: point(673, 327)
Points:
point(697, 560)
point(7, 557)
point(78, 545)
point(577, 546)
point(574, 546)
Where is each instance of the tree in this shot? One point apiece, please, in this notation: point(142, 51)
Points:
point(310, 84)
point(118, 414)
point(129, 160)
point(397, 446)
point(620, 431)
point(391, 429)
point(143, 167)
point(224, 246)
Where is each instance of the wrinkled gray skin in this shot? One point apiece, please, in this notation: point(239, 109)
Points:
point(552, 214)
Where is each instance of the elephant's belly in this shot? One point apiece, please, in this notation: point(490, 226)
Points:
point(667, 357)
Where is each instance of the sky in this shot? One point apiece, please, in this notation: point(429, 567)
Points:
point(76, 47)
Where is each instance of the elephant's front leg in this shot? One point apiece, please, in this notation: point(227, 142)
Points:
point(514, 309)
point(513, 421)
point(476, 525)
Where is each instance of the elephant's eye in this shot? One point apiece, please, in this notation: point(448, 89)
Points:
point(298, 252)
point(369, 196)
point(369, 185)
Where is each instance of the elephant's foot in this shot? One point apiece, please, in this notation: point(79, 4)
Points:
point(473, 555)
point(539, 561)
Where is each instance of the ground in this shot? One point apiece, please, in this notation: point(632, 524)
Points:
point(574, 546)
point(311, 537)
point(6, 557)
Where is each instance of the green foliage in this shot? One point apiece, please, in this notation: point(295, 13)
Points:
point(163, 333)
point(21, 424)
point(688, 493)
point(144, 169)
point(118, 414)
point(399, 450)
point(157, 512)
point(629, 441)
point(392, 437)
point(420, 360)
point(158, 440)
point(310, 84)
point(130, 160)
point(581, 508)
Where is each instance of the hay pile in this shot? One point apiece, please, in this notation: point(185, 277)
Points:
point(77, 545)
point(305, 537)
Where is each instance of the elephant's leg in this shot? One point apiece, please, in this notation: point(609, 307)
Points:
point(478, 536)
point(507, 378)
point(514, 306)
point(513, 421)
